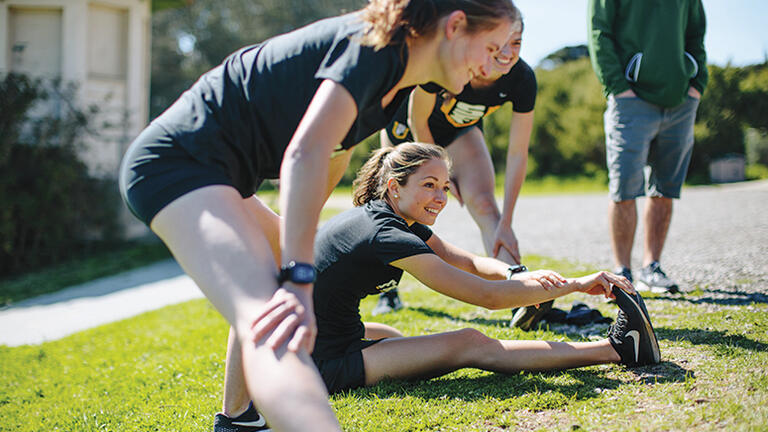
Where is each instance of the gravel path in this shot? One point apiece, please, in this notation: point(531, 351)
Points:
point(718, 239)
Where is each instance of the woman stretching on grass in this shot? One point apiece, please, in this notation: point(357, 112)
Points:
point(284, 108)
point(365, 250)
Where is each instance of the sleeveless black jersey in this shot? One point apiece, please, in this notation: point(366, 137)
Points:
point(352, 255)
point(452, 116)
point(241, 115)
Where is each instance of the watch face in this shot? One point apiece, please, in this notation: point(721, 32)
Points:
point(304, 274)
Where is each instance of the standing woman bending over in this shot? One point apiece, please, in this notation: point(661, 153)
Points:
point(365, 250)
point(456, 122)
point(281, 109)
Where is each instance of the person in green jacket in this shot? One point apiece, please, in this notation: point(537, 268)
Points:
point(650, 58)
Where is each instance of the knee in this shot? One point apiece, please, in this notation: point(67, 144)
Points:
point(472, 339)
point(482, 203)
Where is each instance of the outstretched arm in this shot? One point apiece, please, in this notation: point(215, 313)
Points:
point(517, 163)
point(454, 282)
point(479, 280)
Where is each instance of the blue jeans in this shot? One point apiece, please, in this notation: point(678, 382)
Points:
point(638, 133)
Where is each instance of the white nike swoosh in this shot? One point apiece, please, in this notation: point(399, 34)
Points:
point(635, 335)
point(503, 95)
point(254, 423)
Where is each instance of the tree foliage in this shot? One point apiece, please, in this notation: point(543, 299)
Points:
point(568, 136)
point(188, 41)
point(51, 207)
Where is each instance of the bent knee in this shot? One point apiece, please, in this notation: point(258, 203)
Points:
point(471, 337)
point(482, 204)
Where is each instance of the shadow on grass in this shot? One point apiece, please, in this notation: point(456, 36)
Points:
point(716, 296)
point(441, 314)
point(723, 342)
point(583, 384)
point(496, 386)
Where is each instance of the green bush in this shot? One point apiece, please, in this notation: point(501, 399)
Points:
point(51, 208)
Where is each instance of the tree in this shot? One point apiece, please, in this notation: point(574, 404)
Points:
point(190, 40)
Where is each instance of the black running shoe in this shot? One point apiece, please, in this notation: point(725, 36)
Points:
point(526, 318)
point(388, 302)
point(249, 421)
point(653, 279)
point(632, 334)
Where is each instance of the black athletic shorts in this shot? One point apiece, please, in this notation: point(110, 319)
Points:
point(155, 171)
point(346, 372)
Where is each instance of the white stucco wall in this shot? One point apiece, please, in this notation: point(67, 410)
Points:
point(103, 46)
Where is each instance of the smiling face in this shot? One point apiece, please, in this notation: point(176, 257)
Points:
point(503, 61)
point(463, 55)
point(424, 194)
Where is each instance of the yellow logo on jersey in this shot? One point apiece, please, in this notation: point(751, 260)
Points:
point(389, 286)
point(462, 114)
point(399, 130)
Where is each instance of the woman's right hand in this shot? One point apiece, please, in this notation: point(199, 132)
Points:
point(287, 317)
point(601, 282)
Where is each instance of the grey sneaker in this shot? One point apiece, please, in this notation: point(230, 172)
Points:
point(632, 334)
point(624, 271)
point(653, 279)
point(388, 302)
point(249, 421)
point(526, 318)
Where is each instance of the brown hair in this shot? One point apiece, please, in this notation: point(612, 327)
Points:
point(391, 21)
point(397, 162)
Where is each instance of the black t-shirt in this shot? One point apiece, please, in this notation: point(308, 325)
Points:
point(241, 115)
point(452, 116)
point(352, 255)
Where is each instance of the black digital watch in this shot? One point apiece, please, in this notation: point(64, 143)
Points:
point(519, 268)
point(296, 272)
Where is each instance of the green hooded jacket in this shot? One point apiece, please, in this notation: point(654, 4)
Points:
point(654, 47)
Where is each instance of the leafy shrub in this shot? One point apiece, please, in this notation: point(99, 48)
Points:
point(51, 207)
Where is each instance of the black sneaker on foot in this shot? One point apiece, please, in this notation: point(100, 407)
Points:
point(653, 279)
point(249, 421)
point(388, 302)
point(624, 271)
point(632, 334)
point(526, 318)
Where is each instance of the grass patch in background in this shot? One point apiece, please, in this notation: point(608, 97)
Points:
point(117, 259)
point(552, 185)
point(101, 263)
point(163, 370)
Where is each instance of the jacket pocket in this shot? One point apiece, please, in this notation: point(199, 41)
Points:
point(632, 72)
point(694, 63)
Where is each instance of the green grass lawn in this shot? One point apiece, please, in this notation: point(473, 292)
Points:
point(163, 371)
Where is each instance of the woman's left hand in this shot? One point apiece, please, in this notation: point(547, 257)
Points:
point(601, 282)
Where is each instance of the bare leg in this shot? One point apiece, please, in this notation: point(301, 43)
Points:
point(658, 215)
point(236, 398)
point(212, 234)
point(623, 220)
point(435, 355)
point(379, 331)
point(474, 176)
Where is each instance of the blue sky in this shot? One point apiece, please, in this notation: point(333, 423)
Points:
point(737, 30)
